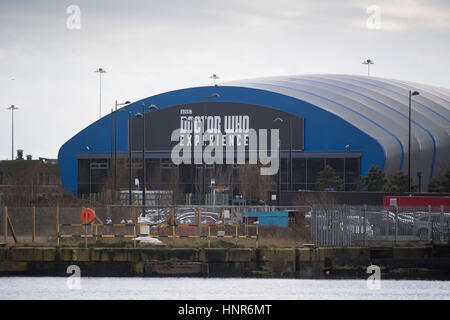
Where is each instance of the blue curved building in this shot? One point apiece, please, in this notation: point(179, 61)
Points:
point(348, 122)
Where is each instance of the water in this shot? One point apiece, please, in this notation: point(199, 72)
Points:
point(210, 289)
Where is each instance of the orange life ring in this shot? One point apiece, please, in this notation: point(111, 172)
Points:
point(87, 214)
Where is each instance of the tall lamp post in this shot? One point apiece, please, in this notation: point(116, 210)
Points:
point(290, 154)
point(100, 71)
point(130, 114)
point(129, 157)
point(12, 108)
point(115, 142)
point(290, 150)
point(411, 93)
point(214, 95)
point(139, 115)
point(279, 161)
point(368, 62)
point(89, 149)
point(214, 77)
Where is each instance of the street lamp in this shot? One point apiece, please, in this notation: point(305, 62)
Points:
point(214, 95)
point(279, 161)
point(100, 71)
point(139, 115)
point(12, 108)
point(411, 93)
point(419, 175)
point(214, 77)
point(290, 150)
point(89, 148)
point(115, 142)
point(129, 156)
point(368, 62)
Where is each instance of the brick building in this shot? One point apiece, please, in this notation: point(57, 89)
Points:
point(28, 182)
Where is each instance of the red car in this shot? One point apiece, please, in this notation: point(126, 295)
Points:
point(187, 226)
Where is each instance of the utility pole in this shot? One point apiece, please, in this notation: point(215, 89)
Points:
point(368, 62)
point(100, 71)
point(12, 108)
point(411, 93)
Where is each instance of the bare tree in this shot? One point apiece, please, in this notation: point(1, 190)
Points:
point(252, 184)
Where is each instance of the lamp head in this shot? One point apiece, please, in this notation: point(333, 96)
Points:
point(415, 93)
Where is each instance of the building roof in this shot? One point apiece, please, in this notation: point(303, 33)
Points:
point(374, 114)
point(380, 108)
point(19, 167)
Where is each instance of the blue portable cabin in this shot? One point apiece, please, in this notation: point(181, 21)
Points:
point(268, 218)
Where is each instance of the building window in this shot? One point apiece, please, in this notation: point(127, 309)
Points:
point(167, 164)
point(314, 165)
point(99, 164)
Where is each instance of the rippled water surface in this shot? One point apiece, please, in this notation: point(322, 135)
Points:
point(209, 289)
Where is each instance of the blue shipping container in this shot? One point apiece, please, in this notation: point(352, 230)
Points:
point(270, 218)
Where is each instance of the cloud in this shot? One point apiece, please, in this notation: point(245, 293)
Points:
point(150, 46)
point(402, 15)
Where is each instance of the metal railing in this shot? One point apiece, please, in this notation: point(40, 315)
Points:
point(56, 224)
point(341, 225)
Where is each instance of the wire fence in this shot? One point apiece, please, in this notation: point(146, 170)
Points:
point(323, 225)
point(341, 225)
point(131, 223)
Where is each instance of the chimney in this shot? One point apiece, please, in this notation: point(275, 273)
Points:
point(19, 154)
point(29, 157)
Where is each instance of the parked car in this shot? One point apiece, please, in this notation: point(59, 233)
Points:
point(426, 221)
point(355, 225)
point(187, 225)
point(386, 219)
point(380, 220)
point(214, 215)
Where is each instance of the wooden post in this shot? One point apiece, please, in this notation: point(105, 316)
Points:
point(387, 224)
point(57, 225)
point(5, 224)
point(198, 220)
point(257, 235)
point(237, 226)
point(172, 216)
point(33, 223)
point(209, 234)
point(133, 213)
point(11, 228)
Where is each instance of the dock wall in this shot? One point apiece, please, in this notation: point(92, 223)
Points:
point(428, 262)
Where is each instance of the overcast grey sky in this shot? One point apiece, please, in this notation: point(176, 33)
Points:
point(149, 47)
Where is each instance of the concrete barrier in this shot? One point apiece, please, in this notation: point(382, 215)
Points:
point(223, 262)
point(280, 261)
point(214, 255)
point(175, 269)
